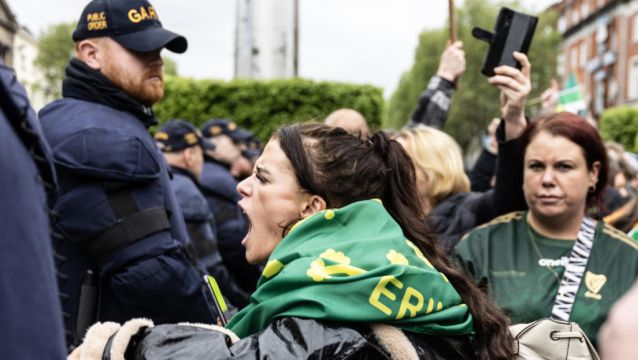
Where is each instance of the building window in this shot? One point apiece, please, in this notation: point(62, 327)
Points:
point(584, 9)
point(562, 24)
point(560, 65)
point(633, 78)
point(573, 59)
point(634, 28)
point(583, 54)
point(575, 16)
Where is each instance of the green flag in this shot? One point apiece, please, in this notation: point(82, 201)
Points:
point(570, 98)
point(354, 264)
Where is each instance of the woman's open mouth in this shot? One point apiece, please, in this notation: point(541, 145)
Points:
point(250, 224)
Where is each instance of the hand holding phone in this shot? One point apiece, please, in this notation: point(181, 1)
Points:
point(513, 32)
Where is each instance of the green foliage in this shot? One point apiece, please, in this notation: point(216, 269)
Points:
point(262, 106)
point(620, 124)
point(476, 102)
point(170, 66)
point(55, 47)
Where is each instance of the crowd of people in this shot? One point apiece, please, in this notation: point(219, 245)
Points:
point(333, 240)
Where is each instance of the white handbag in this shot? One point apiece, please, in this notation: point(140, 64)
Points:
point(551, 339)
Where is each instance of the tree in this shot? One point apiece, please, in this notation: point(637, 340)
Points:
point(170, 66)
point(476, 102)
point(55, 47)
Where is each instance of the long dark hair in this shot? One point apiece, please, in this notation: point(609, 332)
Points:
point(579, 131)
point(344, 169)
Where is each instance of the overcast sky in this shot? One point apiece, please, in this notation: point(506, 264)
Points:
point(359, 41)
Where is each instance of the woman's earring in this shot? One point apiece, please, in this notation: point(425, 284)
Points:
point(592, 188)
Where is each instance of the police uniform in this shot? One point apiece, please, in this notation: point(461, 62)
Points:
point(30, 312)
point(220, 190)
point(117, 212)
point(177, 135)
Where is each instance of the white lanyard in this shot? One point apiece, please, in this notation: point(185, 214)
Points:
point(574, 271)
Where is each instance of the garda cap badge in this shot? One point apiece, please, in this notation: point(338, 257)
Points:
point(215, 130)
point(232, 126)
point(191, 138)
point(161, 136)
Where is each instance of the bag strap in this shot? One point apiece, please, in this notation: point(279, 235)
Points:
point(573, 275)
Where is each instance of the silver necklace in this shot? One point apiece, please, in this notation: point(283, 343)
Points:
point(538, 252)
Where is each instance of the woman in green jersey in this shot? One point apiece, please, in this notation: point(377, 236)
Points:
point(521, 257)
point(352, 271)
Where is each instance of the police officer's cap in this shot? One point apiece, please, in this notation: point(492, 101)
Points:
point(132, 23)
point(177, 135)
point(217, 127)
point(253, 148)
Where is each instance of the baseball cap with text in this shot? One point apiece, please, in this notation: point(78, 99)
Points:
point(134, 24)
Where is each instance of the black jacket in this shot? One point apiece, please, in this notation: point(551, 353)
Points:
point(291, 338)
point(434, 104)
point(458, 214)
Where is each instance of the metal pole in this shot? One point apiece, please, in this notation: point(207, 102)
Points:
point(295, 54)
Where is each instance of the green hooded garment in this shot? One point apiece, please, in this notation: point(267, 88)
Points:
point(354, 264)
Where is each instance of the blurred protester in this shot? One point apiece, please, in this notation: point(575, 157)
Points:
point(482, 176)
point(625, 218)
point(618, 333)
point(350, 120)
point(620, 208)
point(353, 270)
point(623, 173)
point(521, 257)
point(549, 98)
point(220, 190)
point(444, 188)
point(117, 212)
point(434, 103)
point(183, 147)
point(30, 312)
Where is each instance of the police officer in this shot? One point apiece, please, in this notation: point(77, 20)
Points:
point(30, 312)
point(183, 145)
point(220, 189)
point(253, 149)
point(117, 212)
point(250, 152)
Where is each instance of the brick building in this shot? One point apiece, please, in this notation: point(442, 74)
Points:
point(8, 28)
point(600, 48)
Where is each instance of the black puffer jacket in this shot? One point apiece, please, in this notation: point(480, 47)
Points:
point(460, 213)
point(284, 338)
